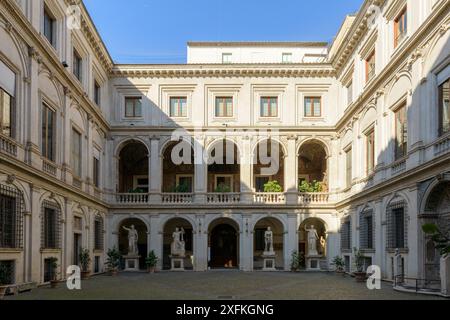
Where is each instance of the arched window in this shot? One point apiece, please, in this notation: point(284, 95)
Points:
point(397, 236)
point(51, 225)
point(11, 217)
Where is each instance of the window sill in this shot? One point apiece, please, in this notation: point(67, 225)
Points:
point(400, 45)
point(11, 250)
point(312, 119)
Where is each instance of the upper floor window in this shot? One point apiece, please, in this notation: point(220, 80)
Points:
point(133, 107)
point(348, 167)
point(313, 106)
point(401, 132)
point(77, 65)
point(226, 57)
point(48, 132)
point(287, 58)
point(178, 107)
point(49, 27)
point(444, 107)
point(269, 107)
point(97, 93)
point(76, 153)
point(224, 107)
point(400, 27)
point(96, 172)
point(7, 101)
point(370, 151)
point(370, 66)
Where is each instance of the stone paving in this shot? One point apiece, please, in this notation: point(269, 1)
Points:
point(219, 285)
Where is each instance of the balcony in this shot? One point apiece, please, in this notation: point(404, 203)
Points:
point(8, 146)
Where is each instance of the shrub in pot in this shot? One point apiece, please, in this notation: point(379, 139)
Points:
point(85, 261)
point(151, 260)
point(113, 260)
point(4, 280)
point(358, 257)
point(273, 186)
point(53, 261)
point(339, 265)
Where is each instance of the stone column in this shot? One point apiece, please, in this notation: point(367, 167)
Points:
point(68, 226)
point(378, 235)
point(156, 239)
point(200, 170)
point(290, 171)
point(27, 232)
point(200, 249)
point(290, 239)
point(413, 259)
point(35, 244)
point(445, 276)
point(89, 157)
point(155, 169)
point(246, 235)
point(246, 168)
point(67, 132)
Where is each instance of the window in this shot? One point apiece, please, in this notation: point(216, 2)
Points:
point(349, 93)
point(141, 183)
point(224, 183)
point(287, 58)
point(50, 226)
point(7, 100)
point(269, 107)
point(8, 267)
point(313, 106)
point(98, 233)
point(260, 181)
point(77, 65)
point(178, 107)
point(224, 107)
point(396, 221)
point(370, 66)
point(96, 264)
point(11, 217)
point(260, 242)
point(444, 107)
point(49, 271)
point(401, 132)
point(48, 133)
point(400, 27)
point(97, 93)
point(133, 107)
point(366, 229)
point(76, 153)
point(49, 27)
point(370, 151)
point(96, 172)
point(346, 234)
point(226, 58)
point(185, 182)
point(348, 167)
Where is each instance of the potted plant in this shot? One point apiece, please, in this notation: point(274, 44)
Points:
point(273, 186)
point(113, 261)
point(440, 239)
point(297, 261)
point(358, 257)
point(339, 264)
point(53, 261)
point(85, 261)
point(222, 188)
point(4, 280)
point(151, 260)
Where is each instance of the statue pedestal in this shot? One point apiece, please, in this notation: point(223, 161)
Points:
point(131, 262)
point(268, 261)
point(313, 262)
point(176, 263)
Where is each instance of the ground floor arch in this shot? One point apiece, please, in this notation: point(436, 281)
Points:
point(188, 235)
point(261, 226)
point(141, 228)
point(305, 231)
point(223, 244)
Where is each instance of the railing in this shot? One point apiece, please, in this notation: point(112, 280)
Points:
point(132, 198)
point(269, 197)
point(442, 146)
point(49, 167)
point(76, 182)
point(8, 145)
point(418, 285)
point(226, 197)
point(399, 166)
point(313, 198)
point(177, 198)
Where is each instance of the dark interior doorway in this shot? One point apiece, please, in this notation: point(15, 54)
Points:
point(223, 244)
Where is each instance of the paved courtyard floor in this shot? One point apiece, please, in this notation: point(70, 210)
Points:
point(219, 285)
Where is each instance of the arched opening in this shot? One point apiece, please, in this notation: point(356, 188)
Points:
point(259, 243)
point(437, 211)
point(133, 168)
point(142, 239)
point(223, 244)
point(312, 167)
point(187, 232)
point(224, 174)
point(178, 167)
point(268, 164)
point(312, 243)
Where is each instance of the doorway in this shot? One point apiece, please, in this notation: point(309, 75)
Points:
point(223, 247)
point(76, 248)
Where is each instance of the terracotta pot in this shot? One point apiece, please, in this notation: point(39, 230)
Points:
point(53, 283)
point(85, 275)
point(3, 291)
point(360, 276)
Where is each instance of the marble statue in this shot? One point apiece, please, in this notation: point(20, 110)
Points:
point(178, 243)
point(268, 239)
point(132, 240)
point(312, 241)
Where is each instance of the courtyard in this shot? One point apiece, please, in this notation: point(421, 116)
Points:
point(220, 285)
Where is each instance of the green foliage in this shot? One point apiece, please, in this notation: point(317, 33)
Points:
point(222, 188)
point(113, 260)
point(5, 275)
point(137, 190)
point(440, 239)
point(181, 188)
point(358, 260)
point(307, 187)
point(53, 261)
point(273, 186)
point(339, 263)
point(297, 260)
point(151, 260)
point(85, 259)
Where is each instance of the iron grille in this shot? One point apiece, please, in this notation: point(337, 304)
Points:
point(98, 233)
point(11, 217)
point(346, 234)
point(51, 225)
point(8, 269)
point(397, 230)
point(366, 229)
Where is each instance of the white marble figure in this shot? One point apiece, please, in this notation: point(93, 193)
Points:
point(312, 241)
point(268, 239)
point(132, 240)
point(178, 244)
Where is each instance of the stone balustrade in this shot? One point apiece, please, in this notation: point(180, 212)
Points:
point(221, 198)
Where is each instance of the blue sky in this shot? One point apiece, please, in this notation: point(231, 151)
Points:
point(156, 31)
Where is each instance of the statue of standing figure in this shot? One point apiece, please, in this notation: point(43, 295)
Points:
point(312, 241)
point(178, 244)
point(268, 239)
point(132, 240)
